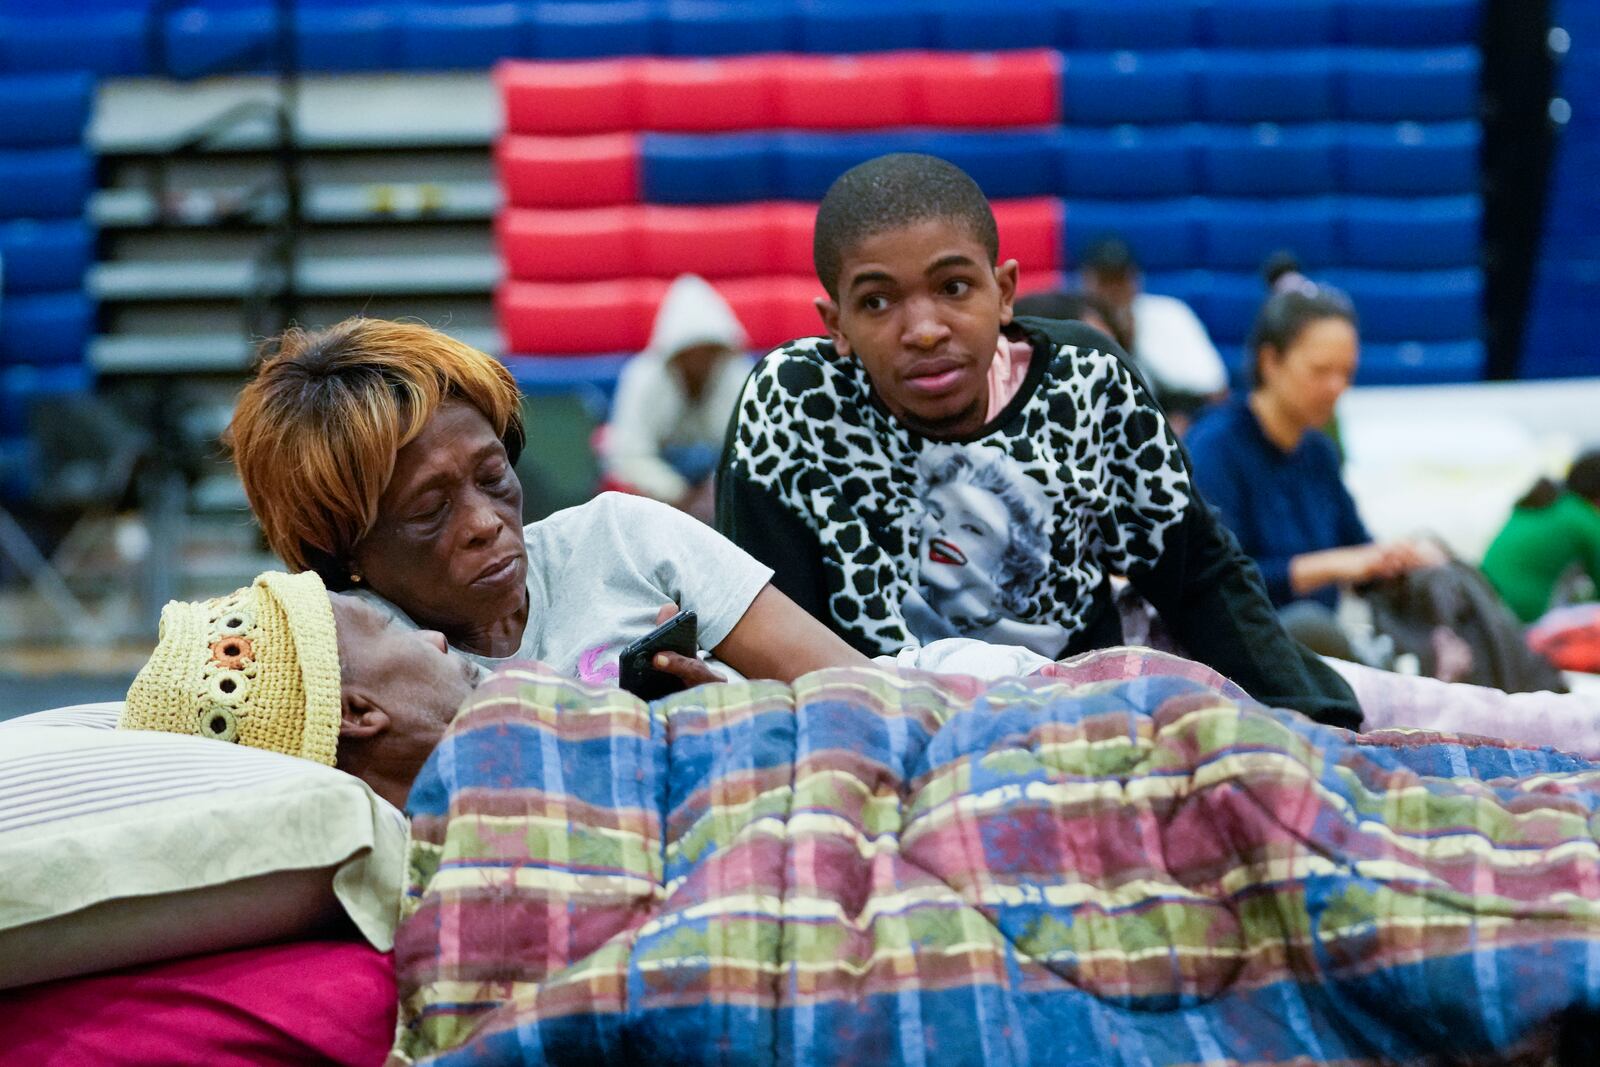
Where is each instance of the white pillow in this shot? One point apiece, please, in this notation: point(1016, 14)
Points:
point(124, 847)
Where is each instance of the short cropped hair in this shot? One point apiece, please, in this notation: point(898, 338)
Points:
point(1110, 255)
point(889, 192)
point(315, 434)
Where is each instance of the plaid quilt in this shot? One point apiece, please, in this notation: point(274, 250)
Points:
point(1126, 863)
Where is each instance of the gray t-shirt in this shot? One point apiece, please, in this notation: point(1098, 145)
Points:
point(599, 573)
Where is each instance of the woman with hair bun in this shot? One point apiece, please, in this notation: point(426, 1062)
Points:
point(1265, 462)
point(1554, 527)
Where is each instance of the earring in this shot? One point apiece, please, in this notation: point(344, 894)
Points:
point(355, 579)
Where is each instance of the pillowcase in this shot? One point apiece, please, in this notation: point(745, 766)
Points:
point(125, 847)
point(324, 1002)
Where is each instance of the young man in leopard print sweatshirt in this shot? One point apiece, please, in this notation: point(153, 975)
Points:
point(936, 468)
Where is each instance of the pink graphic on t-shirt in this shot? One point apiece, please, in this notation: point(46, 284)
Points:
point(591, 670)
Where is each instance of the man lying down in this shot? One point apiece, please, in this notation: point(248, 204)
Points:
point(1120, 861)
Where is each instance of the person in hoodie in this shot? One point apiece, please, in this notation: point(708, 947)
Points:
point(675, 398)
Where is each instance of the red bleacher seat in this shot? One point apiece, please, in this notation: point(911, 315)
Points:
point(722, 241)
point(703, 95)
point(575, 318)
point(714, 242)
point(594, 171)
point(1030, 232)
point(1046, 281)
point(808, 92)
point(1005, 89)
point(844, 92)
point(578, 317)
point(774, 309)
point(544, 244)
point(548, 98)
point(792, 224)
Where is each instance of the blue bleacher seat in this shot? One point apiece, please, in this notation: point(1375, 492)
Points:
point(591, 30)
point(1268, 23)
point(462, 37)
point(46, 328)
point(1190, 286)
point(1421, 363)
point(354, 39)
point(44, 109)
point(727, 168)
point(1004, 24)
point(1102, 89)
point(806, 165)
point(1563, 320)
point(40, 256)
point(1393, 85)
point(1441, 305)
point(1409, 158)
point(1409, 23)
point(1097, 26)
point(109, 42)
point(342, 39)
point(851, 26)
point(1268, 160)
point(1241, 234)
point(1571, 200)
point(1577, 161)
point(682, 169)
point(21, 386)
point(1228, 306)
point(1162, 233)
point(1293, 86)
point(727, 27)
point(45, 183)
point(1128, 162)
point(554, 375)
point(202, 40)
point(1579, 84)
point(1411, 233)
point(1003, 164)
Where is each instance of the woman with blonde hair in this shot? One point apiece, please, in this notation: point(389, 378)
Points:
point(380, 455)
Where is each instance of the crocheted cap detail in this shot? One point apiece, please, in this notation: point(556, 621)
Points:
point(258, 667)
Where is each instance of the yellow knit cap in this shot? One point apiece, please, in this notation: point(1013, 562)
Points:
point(259, 667)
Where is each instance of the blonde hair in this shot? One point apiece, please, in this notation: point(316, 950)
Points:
point(315, 434)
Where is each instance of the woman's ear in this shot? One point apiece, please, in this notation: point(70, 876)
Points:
point(1268, 359)
point(360, 717)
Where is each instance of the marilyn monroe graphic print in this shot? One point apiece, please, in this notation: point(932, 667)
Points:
point(982, 552)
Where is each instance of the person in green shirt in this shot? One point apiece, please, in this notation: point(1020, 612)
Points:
point(1552, 528)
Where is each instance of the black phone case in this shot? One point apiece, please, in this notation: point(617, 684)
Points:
point(678, 634)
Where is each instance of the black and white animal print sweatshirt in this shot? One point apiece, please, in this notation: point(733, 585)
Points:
point(1010, 535)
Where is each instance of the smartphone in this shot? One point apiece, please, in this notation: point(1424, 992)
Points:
point(678, 634)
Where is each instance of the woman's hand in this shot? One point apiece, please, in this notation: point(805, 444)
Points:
point(1351, 565)
point(1401, 557)
point(1356, 564)
point(691, 669)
